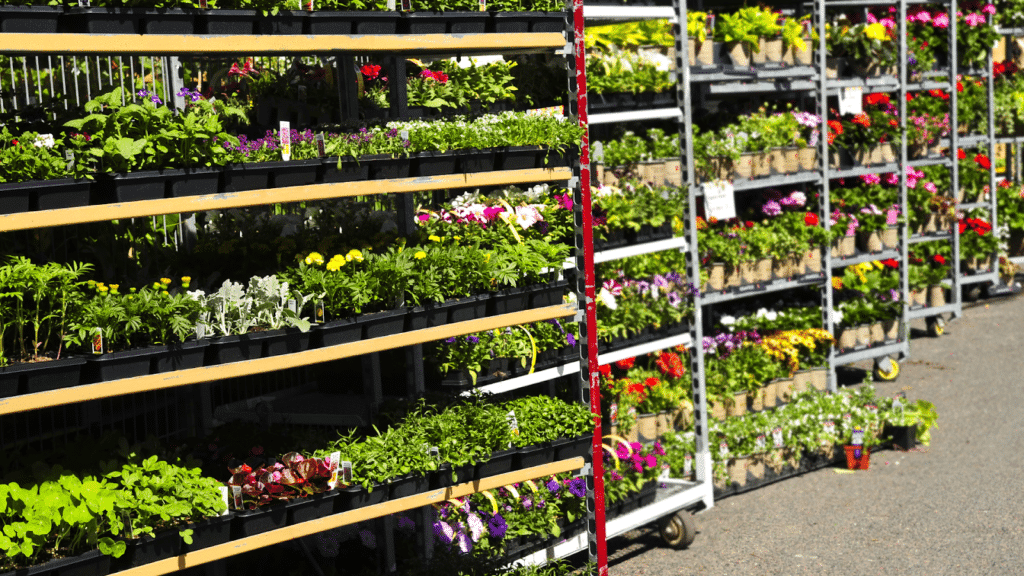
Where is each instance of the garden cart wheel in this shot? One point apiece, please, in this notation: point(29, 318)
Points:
point(936, 327)
point(886, 370)
point(678, 530)
point(973, 293)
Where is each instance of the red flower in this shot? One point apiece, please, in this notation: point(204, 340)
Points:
point(14, 142)
point(862, 120)
point(749, 224)
point(873, 99)
point(605, 370)
point(961, 154)
point(811, 219)
point(370, 71)
point(652, 382)
point(626, 363)
point(983, 161)
point(670, 365)
point(959, 86)
point(891, 263)
point(938, 259)
point(893, 122)
point(836, 126)
point(910, 96)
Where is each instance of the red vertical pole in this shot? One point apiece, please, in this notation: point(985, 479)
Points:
point(598, 546)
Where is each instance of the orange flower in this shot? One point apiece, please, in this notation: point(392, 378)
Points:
point(862, 120)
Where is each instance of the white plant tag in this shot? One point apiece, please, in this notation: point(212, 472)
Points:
point(483, 5)
point(847, 419)
point(723, 450)
point(513, 424)
point(664, 474)
point(204, 4)
point(760, 443)
point(224, 497)
point(285, 133)
point(434, 453)
point(777, 437)
point(69, 159)
point(851, 100)
point(320, 147)
point(332, 463)
point(200, 331)
point(293, 305)
point(719, 200)
point(830, 427)
point(613, 411)
point(346, 472)
point(391, 5)
point(404, 134)
point(97, 341)
point(236, 495)
point(858, 437)
point(687, 465)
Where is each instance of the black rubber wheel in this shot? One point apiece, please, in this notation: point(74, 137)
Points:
point(973, 293)
point(678, 530)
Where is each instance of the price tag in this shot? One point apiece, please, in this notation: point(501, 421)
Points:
point(858, 437)
point(777, 437)
point(332, 463)
point(285, 134)
point(320, 146)
point(319, 310)
point(346, 472)
point(224, 497)
point(69, 160)
point(851, 100)
point(687, 465)
point(236, 496)
point(97, 341)
point(613, 410)
point(719, 200)
point(759, 443)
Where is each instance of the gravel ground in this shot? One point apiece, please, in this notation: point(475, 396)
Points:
point(952, 508)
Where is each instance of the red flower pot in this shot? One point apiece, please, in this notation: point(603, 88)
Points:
point(858, 457)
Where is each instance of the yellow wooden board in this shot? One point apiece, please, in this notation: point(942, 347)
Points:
point(102, 212)
point(282, 362)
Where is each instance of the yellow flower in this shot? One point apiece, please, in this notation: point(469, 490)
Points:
point(420, 255)
point(837, 283)
point(165, 281)
point(354, 254)
point(876, 31)
point(487, 257)
point(114, 287)
point(131, 290)
point(336, 263)
point(433, 238)
point(186, 279)
point(102, 288)
point(166, 293)
point(314, 258)
point(458, 238)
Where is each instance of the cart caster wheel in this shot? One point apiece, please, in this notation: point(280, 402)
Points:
point(887, 370)
point(678, 530)
point(973, 293)
point(936, 327)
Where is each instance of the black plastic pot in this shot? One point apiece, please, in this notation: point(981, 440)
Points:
point(457, 379)
point(180, 356)
point(296, 173)
point(209, 532)
point(518, 157)
point(30, 19)
point(473, 161)
point(499, 463)
point(236, 348)
point(88, 564)
point(252, 522)
point(381, 324)
point(903, 437)
point(226, 22)
point(136, 186)
point(105, 20)
point(330, 22)
point(434, 163)
point(10, 379)
point(467, 308)
point(285, 341)
point(350, 171)
point(374, 22)
point(407, 486)
point(383, 166)
point(341, 331)
point(170, 21)
point(162, 545)
point(426, 316)
point(547, 22)
point(355, 497)
point(64, 193)
point(423, 22)
point(548, 294)
point(552, 158)
point(285, 22)
point(51, 375)
point(536, 455)
point(508, 300)
point(193, 181)
point(311, 507)
point(248, 176)
point(573, 447)
point(16, 196)
point(119, 365)
point(442, 478)
point(527, 22)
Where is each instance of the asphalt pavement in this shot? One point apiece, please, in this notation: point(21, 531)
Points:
point(955, 507)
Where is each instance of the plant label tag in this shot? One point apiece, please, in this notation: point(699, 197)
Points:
point(513, 424)
point(127, 519)
point(483, 5)
point(664, 474)
point(84, 3)
point(332, 463)
point(285, 134)
point(872, 408)
point(613, 411)
point(309, 5)
point(404, 134)
point(631, 411)
point(760, 443)
point(710, 23)
point(320, 147)
point(896, 403)
point(434, 452)
point(830, 427)
point(224, 497)
point(204, 4)
point(719, 200)
point(723, 450)
point(301, 92)
point(200, 331)
point(687, 465)
point(391, 7)
point(807, 28)
point(236, 495)
point(293, 305)
point(69, 159)
point(97, 341)
point(777, 437)
point(406, 5)
point(319, 310)
point(346, 472)
point(847, 419)
point(851, 100)
point(858, 437)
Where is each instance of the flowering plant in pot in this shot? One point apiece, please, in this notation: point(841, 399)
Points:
point(917, 418)
point(870, 45)
point(631, 469)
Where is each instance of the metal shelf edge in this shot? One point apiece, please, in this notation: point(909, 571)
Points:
point(528, 380)
point(691, 495)
point(645, 348)
point(872, 353)
point(640, 249)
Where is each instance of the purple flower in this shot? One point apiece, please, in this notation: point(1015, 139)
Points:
point(406, 522)
point(450, 340)
point(616, 476)
point(771, 208)
point(659, 449)
point(552, 486)
point(497, 527)
point(674, 299)
point(465, 544)
point(578, 487)
point(472, 339)
point(570, 339)
point(527, 502)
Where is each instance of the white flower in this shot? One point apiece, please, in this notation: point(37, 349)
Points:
point(605, 297)
point(727, 320)
point(44, 140)
point(476, 526)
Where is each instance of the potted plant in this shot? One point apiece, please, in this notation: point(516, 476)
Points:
point(909, 423)
point(35, 175)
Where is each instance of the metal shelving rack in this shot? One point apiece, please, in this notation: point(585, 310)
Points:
point(568, 44)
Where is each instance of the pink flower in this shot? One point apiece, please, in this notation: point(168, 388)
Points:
point(423, 217)
point(871, 178)
point(975, 19)
point(892, 179)
point(989, 9)
point(941, 20)
point(931, 187)
point(889, 23)
point(564, 200)
point(892, 215)
point(871, 18)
